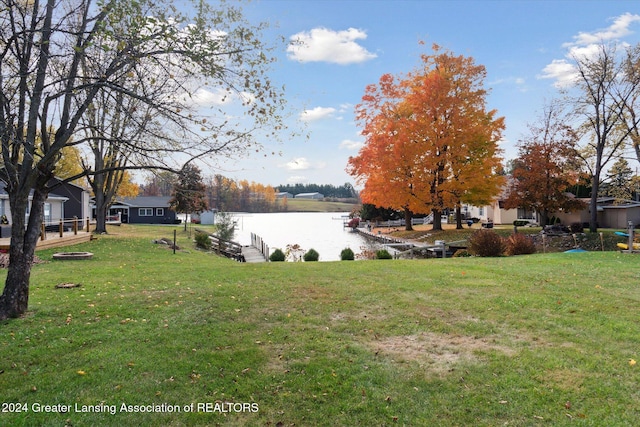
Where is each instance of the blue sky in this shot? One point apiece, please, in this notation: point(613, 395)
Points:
point(349, 44)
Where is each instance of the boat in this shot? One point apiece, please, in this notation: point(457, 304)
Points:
point(625, 246)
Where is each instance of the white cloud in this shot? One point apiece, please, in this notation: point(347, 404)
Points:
point(349, 144)
point(560, 70)
point(586, 45)
point(325, 45)
point(204, 97)
point(300, 163)
point(316, 114)
point(617, 30)
point(344, 108)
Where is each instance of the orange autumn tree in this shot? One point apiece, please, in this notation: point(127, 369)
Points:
point(384, 165)
point(546, 167)
point(443, 150)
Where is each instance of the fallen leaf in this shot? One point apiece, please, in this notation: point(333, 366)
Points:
point(632, 362)
point(81, 373)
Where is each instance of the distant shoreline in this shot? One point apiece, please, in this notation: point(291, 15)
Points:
point(301, 205)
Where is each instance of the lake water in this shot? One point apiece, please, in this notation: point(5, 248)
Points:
point(321, 231)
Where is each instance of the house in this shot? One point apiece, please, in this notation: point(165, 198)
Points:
point(68, 201)
point(496, 212)
point(612, 213)
point(77, 205)
point(144, 210)
point(312, 196)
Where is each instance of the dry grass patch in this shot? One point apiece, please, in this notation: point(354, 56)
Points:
point(439, 352)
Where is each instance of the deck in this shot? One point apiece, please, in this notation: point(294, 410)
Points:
point(53, 240)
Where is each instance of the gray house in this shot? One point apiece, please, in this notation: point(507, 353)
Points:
point(144, 210)
point(68, 201)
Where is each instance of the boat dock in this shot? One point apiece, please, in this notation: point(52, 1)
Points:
point(257, 251)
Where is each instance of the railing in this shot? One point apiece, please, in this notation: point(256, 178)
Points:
point(401, 222)
point(71, 225)
point(224, 247)
point(258, 243)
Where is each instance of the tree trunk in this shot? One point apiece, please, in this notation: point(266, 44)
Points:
point(458, 217)
point(101, 213)
point(407, 220)
point(593, 205)
point(544, 218)
point(595, 187)
point(437, 220)
point(14, 300)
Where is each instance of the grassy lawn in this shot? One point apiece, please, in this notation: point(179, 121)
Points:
point(547, 339)
point(306, 205)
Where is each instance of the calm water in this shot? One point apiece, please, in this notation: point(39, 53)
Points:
point(320, 231)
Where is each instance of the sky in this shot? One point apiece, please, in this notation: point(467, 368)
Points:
point(349, 44)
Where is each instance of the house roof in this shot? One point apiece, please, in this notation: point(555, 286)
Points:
point(315, 193)
point(51, 196)
point(145, 202)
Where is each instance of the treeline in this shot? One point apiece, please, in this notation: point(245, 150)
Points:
point(231, 195)
point(345, 191)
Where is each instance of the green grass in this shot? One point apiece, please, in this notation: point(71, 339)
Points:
point(523, 341)
point(306, 205)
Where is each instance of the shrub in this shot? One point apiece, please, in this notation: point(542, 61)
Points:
point(520, 244)
point(354, 222)
point(277, 256)
point(202, 240)
point(486, 243)
point(576, 227)
point(311, 255)
point(383, 254)
point(347, 255)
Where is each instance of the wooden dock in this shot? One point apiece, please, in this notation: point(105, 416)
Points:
point(252, 253)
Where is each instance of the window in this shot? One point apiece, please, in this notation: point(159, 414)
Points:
point(159, 211)
point(47, 213)
point(145, 211)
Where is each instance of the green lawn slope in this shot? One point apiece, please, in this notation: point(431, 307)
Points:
point(155, 338)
